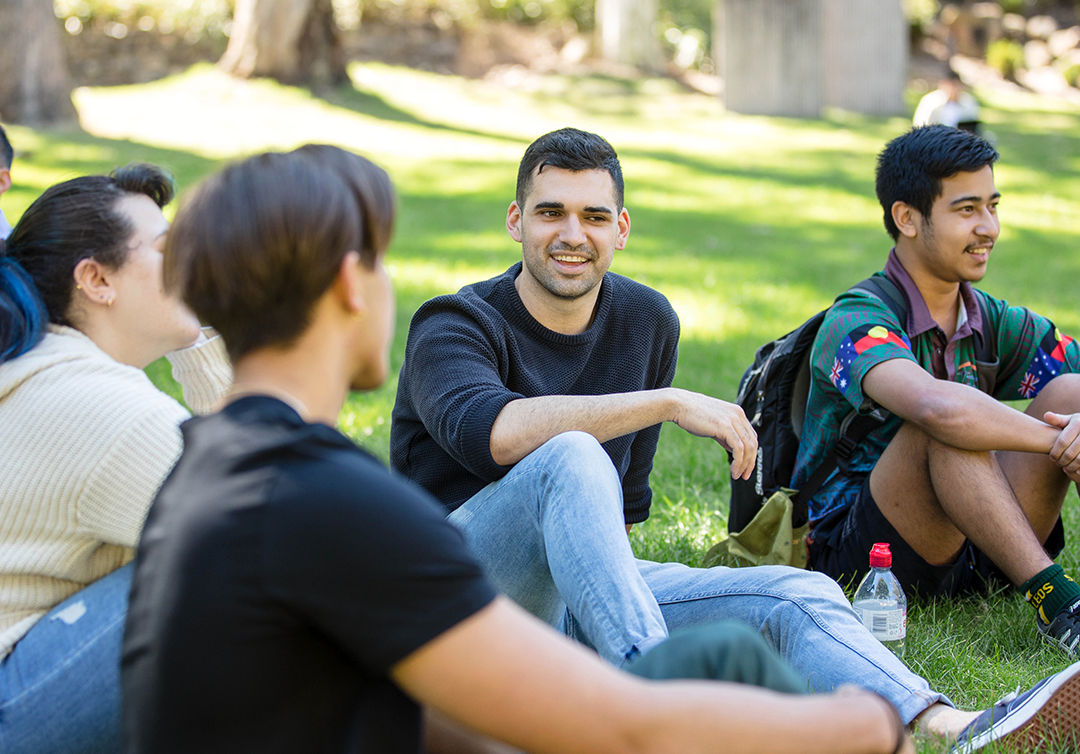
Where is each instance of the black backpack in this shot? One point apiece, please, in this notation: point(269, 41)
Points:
point(774, 391)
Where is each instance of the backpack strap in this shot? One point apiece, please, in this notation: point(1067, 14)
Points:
point(853, 429)
point(880, 287)
point(855, 426)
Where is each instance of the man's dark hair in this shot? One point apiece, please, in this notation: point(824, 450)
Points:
point(258, 244)
point(7, 152)
point(569, 149)
point(911, 167)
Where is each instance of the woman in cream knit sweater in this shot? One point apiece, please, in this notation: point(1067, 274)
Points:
point(85, 442)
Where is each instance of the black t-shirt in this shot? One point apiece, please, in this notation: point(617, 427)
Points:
point(282, 572)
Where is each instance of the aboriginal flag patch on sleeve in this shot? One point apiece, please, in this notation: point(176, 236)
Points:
point(856, 344)
point(1046, 364)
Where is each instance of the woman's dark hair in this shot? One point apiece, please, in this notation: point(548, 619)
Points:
point(71, 221)
point(256, 245)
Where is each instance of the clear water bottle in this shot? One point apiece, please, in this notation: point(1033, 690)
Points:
point(880, 601)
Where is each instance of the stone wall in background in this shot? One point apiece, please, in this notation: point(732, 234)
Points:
point(1041, 52)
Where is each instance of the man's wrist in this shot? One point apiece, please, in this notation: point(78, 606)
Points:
point(672, 403)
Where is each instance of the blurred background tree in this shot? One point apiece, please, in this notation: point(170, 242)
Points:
point(309, 42)
point(293, 41)
point(35, 87)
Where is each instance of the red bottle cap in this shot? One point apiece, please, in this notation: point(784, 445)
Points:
point(880, 556)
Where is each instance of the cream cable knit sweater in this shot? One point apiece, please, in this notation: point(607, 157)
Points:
point(85, 442)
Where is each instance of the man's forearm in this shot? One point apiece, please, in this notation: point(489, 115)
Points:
point(527, 423)
point(985, 424)
point(953, 413)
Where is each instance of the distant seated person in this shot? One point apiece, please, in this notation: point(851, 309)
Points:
point(949, 105)
point(85, 442)
point(291, 595)
point(7, 154)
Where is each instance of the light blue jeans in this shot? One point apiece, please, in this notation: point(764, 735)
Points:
point(60, 685)
point(550, 535)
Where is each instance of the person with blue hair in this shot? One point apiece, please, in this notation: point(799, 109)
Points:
point(85, 442)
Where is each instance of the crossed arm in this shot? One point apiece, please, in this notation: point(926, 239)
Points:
point(967, 418)
point(525, 424)
point(504, 674)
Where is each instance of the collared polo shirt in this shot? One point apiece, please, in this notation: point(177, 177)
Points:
point(860, 332)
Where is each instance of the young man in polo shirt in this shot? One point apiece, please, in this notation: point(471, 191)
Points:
point(966, 489)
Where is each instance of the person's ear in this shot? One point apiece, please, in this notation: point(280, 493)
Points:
point(350, 285)
point(513, 221)
point(92, 283)
point(5, 180)
point(624, 229)
point(907, 219)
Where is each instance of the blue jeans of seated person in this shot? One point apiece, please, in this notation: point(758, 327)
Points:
point(550, 535)
point(60, 685)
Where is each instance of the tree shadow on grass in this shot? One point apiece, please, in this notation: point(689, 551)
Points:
point(48, 157)
point(351, 97)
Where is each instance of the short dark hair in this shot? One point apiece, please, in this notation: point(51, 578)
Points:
point(569, 149)
point(7, 152)
point(68, 223)
point(258, 244)
point(911, 167)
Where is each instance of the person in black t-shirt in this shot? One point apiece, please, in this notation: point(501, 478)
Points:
point(291, 595)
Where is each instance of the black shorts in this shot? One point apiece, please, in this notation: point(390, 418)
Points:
point(840, 547)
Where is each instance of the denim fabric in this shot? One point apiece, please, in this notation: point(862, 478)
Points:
point(544, 535)
point(550, 533)
point(803, 615)
point(60, 685)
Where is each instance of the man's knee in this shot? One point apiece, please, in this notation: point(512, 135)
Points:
point(574, 451)
point(1061, 395)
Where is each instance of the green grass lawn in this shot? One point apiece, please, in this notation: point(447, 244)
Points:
point(748, 225)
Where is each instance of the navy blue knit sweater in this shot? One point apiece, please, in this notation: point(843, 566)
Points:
point(471, 353)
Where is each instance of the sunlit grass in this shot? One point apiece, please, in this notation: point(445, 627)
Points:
point(748, 225)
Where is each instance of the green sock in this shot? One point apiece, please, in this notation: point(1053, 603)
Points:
point(1050, 591)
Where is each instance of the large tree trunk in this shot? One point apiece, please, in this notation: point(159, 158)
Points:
point(625, 33)
point(35, 86)
point(293, 41)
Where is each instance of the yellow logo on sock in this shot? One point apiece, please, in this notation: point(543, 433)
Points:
point(1041, 594)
